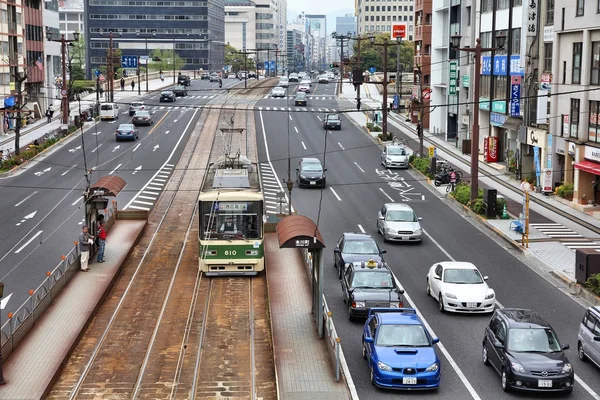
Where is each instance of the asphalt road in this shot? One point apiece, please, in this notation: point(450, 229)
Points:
point(357, 187)
point(41, 210)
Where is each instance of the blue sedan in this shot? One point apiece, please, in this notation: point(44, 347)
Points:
point(399, 350)
point(127, 132)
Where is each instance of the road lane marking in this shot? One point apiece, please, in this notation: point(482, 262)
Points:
point(587, 388)
point(28, 242)
point(139, 208)
point(296, 130)
point(115, 170)
point(77, 201)
point(100, 145)
point(169, 165)
point(159, 180)
point(303, 145)
point(319, 118)
point(339, 144)
point(290, 115)
point(25, 199)
point(156, 184)
point(386, 195)
point(358, 166)
point(143, 202)
point(146, 197)
point(335, 194)
point(67, 171)
point(149, 192)
point(137, 146)
point(361, 228)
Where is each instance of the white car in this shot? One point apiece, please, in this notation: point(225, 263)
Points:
point(459, 287)
point(278, 92)
point(304, 88)
point(394, 156)
point(306, 81)
point(284, 82)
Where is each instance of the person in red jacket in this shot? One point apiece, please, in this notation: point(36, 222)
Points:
point(101, 241)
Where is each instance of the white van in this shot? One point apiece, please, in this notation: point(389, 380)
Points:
point(109, 111)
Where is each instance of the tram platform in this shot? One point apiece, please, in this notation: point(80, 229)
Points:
point(303, 365)
point(31, 370)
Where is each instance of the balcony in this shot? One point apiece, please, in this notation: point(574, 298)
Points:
point(442, 5)
point(454, 3)
point(423, 33)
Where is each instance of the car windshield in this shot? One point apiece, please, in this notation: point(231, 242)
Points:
point(166, 93)
point(126, 127)
point(283, 79)
point(278, 89)
point(402, 336)
point(300, 95)
point(534, 340)
point(137, 104)
point(312, 167)
point(178, 87)
point(396, 151)
point(462, 276)
point(361, 247)
point(371, 279)
point(106, 107)
point(142, 114)
point(333, 117)
point(401, 216)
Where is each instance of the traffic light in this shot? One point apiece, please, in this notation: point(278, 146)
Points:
point(358, 104)
point(330, 65)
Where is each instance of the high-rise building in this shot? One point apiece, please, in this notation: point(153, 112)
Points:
point(34, 46)
point(52, 56)
point(295, 50)
point(376, 17)
point(345, 25)
point(72, 17)
point(240, 24)
point(189, 27)
point(316, 29)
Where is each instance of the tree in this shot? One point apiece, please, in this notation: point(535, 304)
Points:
point(371, 55)
point(162, 60)
point(235, 59)
point(21, 98)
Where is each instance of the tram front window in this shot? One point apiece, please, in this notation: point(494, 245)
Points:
point(230, 224)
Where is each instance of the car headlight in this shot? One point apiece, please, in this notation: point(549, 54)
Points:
point(302, 176)
point(433, 368)
point(394, 304)
point(517, 367)
point(388, 159)
point(566, 368)
point(418, 232)
point(388, 230)
point(383, 367)
point(489, 296)
point(359, 304)
point(450, 295)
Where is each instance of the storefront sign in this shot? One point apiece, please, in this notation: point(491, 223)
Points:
point(592, 153)
point(546, 81)
point(549, 33)
point(498, 119)
point(565, 129)
point(499, 107)
point(490, 149)
point(547, 180)
point(500, 65)
point(536, 137)
point(559, 146)
point(532, 16)
point(484, 104)
point(515, 66)
point(515, 100)
point(572, 149)
point(453, 77)
point(549, 152)
point(465, 80)
point(486, 65)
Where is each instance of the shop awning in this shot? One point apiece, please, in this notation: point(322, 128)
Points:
point(588, 166)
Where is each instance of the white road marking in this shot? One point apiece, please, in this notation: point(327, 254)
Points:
point(137, 146)
point(270, 185)
point(163, 175)
point(139, 208)
point(319, 118)
point(386, 195)
point(423, 197)
point(169, 165)
point(156, 147)
point(28, 242)
point(115, 170)
point(77, 201)
point(159, 180)
point(149, 192)
point(67, 171)
point(143, 202)
point(303, 145)
point(146, 197)
point(136, 169)
point(167, 132)
point(358, 166)
point(26, 198)
point(100, 145)
point(587, 388)
point(42, 172)
point(268, 206)
point(361, 228)
point(160, 185)
point(290, 115)
point(296, 129)
point(339, 144)
point(335, 194)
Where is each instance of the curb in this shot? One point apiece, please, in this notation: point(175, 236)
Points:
point(579, 290)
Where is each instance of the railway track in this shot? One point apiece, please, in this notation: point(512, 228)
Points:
point(166, 331)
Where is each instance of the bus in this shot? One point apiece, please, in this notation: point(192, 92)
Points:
point(231, 210)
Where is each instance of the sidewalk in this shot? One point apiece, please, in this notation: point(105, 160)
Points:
point(30, 371)
point(302, 361)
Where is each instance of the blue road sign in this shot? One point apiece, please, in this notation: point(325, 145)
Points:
point(272, 66)
point(129, 62)
point(97, 73)
point(372, 70)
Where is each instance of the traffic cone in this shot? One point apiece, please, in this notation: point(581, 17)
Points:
point(504, 213)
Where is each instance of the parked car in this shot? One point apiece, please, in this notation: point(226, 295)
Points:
point(394, 156)
point(304, 88)
point(136, 106)
point(231, 75)
point(142, 118)
point(180, 91)
point(310, 172)
point(525, 351)
point(355, 247)
point(588, 339)
point(398, 221)
point(167, 95)
point(127, 132)
point(332, 121)
point(300, 99)
point(184, 80)
point(369, 284)
point(399, 350)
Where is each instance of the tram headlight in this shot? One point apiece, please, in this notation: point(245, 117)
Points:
point(252, 252)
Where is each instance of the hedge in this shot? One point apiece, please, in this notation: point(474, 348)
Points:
point(593, 284)
point(421, 165)
point(462, 194)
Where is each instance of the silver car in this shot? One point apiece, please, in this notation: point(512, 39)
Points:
point(399, 222)
point(394, 156)
point(278, 92)
point(588, 339)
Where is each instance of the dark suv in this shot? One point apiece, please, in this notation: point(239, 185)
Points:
point(355, 247)
point(184, 80)
point(525, 351)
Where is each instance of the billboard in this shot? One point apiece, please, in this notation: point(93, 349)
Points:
point(316, 26)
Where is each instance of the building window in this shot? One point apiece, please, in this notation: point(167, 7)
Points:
point(576, 76)
point(502, 4)
point(516, 41)
point(486, 39)
point(487, 6)
point(574, 118)
point(468, 15)
point(550, 13)
point(595, 74)
point(394, 8)
point(377, 18)
point(485, 86)
point(580, 8)
point(594, 129)
point(393, 18)
point(377, 8)
point(517, 3)
point(500, 83)
point(547, 57)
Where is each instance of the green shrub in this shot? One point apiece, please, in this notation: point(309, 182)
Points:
point(462, 193)
point(500, 203)
point(593, 284)
point(478, 206)
point(421, 165)
point(376, 128)
point(31, 152)
point(411, 158)
point(565, 190)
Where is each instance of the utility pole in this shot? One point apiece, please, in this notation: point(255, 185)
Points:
point(398, 71)
point(111, 69)
point(384, 103)
point(65, 89)
point(359, 70)
point(174, 77)
point(421, 107)
point(138, 74)
point(341, 39)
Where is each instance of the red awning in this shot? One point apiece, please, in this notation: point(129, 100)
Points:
point(588, 166)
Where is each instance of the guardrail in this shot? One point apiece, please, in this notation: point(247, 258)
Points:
point(29, 313)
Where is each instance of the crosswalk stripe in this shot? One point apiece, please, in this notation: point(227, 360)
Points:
point(143, 202)
point(139, 208)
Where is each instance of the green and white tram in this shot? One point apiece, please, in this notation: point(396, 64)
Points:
point(231, 221)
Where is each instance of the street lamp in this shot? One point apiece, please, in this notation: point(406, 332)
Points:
point(358, 73)
point(384, 104)
point(500, 40)
point(63, 91)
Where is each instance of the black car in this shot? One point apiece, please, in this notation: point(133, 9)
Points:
point(525, 351)
point(184, 80)
point(332, 121)
point(180, 91)
point(167, 95)
point(369, 284)
point(204, 76)
point(310, 172)
point(355, 247)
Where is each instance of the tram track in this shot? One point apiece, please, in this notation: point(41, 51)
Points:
point(141, 345)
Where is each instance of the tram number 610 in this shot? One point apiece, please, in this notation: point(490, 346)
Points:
point(230, 252)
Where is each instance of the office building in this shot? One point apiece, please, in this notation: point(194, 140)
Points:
point(52, 57)
point(295, 50)
point(240, 24)
point(343, 26)
point(375, 16)
point(193, 29)
point(316, 30)
point(72, 17)
point(34, 46)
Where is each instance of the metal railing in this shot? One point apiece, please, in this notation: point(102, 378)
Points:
point(20, 322)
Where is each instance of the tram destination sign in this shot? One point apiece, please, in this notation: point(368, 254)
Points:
point(231, 206)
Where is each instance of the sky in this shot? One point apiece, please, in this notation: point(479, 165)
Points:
point(331, 8)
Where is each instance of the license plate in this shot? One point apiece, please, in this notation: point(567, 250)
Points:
point(405, 238)
point(409, 381)
point(544, 383)
point(313, 183)
point(471, 305)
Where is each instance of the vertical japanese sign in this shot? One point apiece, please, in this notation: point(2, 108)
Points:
point(565, 129)
point(515, 96)
point(536, 161)
point(532, 17)
point(549, 151)
point(453, 76)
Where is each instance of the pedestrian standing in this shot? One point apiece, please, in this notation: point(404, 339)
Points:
point(122, 84)
point(132, 85)
point(85, 245)
point(49, 114)
point(101, 240)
